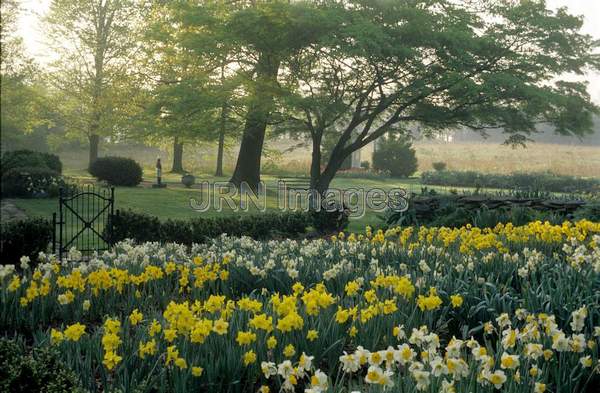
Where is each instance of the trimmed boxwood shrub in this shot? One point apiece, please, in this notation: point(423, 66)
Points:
point(39, 370)
point(118, 171)
point(143, 227)
point(26, 182)
point(29, 158)
point(24, 238)
point(395, 156)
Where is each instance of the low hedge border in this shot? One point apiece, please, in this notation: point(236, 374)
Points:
point(144, 227)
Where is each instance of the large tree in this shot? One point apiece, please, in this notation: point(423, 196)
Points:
point(22, 107)
point(193, 88)
point(259, 36)
point(441, 64)
point(96, 42)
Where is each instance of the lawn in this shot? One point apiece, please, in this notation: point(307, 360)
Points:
point(174, 201)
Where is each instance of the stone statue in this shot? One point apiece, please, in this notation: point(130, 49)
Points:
point(159, 183)
point(158, 171)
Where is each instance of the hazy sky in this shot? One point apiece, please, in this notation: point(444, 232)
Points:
point(33, 36)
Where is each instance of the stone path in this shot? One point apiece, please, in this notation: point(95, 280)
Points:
point(9, 212)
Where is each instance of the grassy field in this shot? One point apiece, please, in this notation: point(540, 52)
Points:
point(572, 160)
point(282, 158)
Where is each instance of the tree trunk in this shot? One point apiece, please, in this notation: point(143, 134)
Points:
point(94, 143)
point(219, 170)
point(315, 163)
point(247, 169)
point(177, 156)
point(334, 164)
point(93, 136)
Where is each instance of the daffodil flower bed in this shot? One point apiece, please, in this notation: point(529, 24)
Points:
point(406, 310)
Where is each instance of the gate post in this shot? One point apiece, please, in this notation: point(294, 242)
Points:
point(53, 232)
point(60, 223)
point(111, 217)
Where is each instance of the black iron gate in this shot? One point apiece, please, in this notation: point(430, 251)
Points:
point(83, 220)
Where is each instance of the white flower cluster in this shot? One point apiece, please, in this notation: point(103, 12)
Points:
point(290, 375)
point(422, 356)
point(328, 260)
point(579, 254)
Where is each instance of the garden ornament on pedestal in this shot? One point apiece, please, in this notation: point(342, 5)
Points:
point(159, 183)
point(188, 180)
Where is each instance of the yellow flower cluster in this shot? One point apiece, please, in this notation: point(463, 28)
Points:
point(430, 302)
point(111, 342)
point(71, 333)
point(470, 239)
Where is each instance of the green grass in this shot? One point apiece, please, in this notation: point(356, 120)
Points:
point(174, 201)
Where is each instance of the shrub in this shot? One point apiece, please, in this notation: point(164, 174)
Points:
point(38, 371)
point(29, 158)
point(396, 156)
point(330, 221)
point(118, 171)
point(24, 238)
point(26, 182)
point(139, 226)
point(439, 166)
point(365, 165)
point(143, 227)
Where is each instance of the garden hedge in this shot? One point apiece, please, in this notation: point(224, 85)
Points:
point(29, 158)
point(144, 227)
point(24, 238)
point(27, 182)
point(24, 370)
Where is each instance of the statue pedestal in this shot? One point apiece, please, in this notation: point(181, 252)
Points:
point(159, 183)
